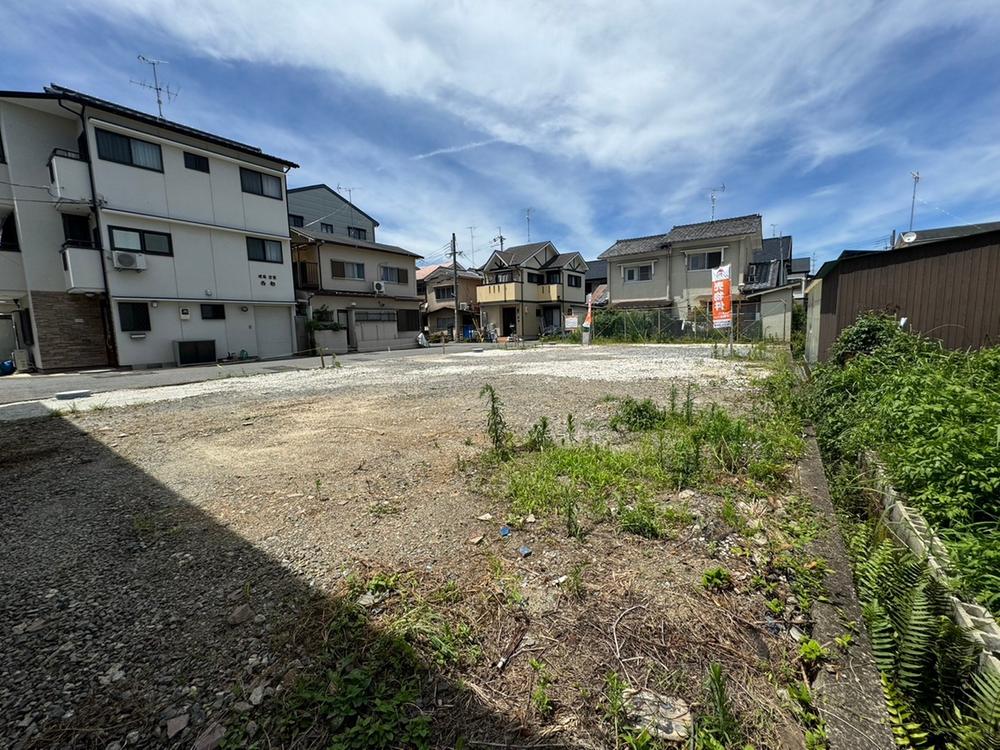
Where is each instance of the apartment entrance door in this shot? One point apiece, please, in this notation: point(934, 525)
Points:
point(509, 321)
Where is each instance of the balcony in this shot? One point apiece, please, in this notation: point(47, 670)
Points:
point(82, 268)
point(509, 292)
point(305, 274)
point(548, 292)
point(69, 174)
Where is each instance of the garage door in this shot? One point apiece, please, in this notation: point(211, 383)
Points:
point(274, 331)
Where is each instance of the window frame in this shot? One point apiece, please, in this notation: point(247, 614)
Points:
point(412, 316)
point(357, 233)
point(345, 263)
point(448, 296)
point(327, 228)
point(535, 278)
point(636, 268)
point(383, 275)
point(571, 277)
point(247, 172)
point(704, 254)
point(16, 246)
point(265, 259)
point(297, 221)
point(214, 307)
point(131, 160)
point(121, 318)
point(197, 159)
point(142, 241)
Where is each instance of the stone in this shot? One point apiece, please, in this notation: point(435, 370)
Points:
point(664, 718)
point(177, 725)
point(485, 517)
point(240, 615)
point(251, 729)
point(531, 518)
point(132, 738)
point(242, 707)
point(476, 539)
point(370, 599)
point(211, 738)
point(257, 695)
point(685, 494)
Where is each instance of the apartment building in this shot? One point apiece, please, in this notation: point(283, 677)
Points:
point(129, 240)
point(344, 276)
point(436, 285)
point(531, 289)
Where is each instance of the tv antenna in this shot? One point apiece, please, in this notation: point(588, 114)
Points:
point(350, 196)
point(913, 202)
point(527, 220)
point(712, 192)
point(472, 243)
point(160, 90)
point(774, 230)
point(499, 238)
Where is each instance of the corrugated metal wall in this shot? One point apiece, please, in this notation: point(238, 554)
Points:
point(949, 290)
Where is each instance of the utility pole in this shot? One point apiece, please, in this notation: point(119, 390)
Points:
point(454, 281)
point(913, 202)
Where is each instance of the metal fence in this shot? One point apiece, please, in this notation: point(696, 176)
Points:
point(752, 321)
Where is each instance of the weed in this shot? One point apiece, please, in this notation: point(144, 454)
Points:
point(574, 581)
point(718, 722)
point(615, 709)
point(776, 607)
point(571, 511)
point(570, 428)
point(844, 641)
point(730, 515)
point(717, 579)
point(382, 508)
point(540, 692)
point(496, 424)
point(811, 653)
point(539, 436)
point(642, 519)
point(636, 416)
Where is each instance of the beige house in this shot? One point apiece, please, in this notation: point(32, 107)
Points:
point(531, 289)
point(367, 287)
point(436, 284)
point(674, 270)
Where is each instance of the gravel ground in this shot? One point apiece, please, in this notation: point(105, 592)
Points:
point(158, 543)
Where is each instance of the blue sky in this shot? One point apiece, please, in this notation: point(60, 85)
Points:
point(607, 119)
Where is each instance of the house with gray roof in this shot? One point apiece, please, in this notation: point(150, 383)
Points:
point(530, 289)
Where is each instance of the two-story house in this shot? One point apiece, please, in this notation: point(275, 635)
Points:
point(674, 270)
point(531, 289)
point(342, 274)
point(129, 240)
point(436, 284)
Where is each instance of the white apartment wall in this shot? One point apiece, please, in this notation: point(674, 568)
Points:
point(261, 330)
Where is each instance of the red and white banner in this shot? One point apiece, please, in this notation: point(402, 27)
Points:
point(722, 301)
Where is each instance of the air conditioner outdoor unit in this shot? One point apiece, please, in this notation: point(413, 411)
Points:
point(463, 306)
point(130, 261)
point(378, 287)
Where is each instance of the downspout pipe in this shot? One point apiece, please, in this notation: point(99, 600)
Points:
point(111, 341)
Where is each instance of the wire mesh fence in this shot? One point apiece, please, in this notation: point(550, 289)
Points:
point(752, 321)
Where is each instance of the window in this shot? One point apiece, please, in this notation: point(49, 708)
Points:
point(704, 261)
point(535, 278)
point(134, 316)
point(76, 230)
point(326, 228)
point(131, 151)
point(444, 292)
point(3, 160)
point(342, 270)
point(141, 241)
point(8, 234)
point(375, 316)
point(553, 277)
point(407, 320)
point(357, 233)
point(259, 183)
point(638, 273)
point(295, 220)
point(213, 312)
point(421, 288)
point(266, 251)
point(503, 277)
point(196, 162)
point(394, 275)
point(573, 280)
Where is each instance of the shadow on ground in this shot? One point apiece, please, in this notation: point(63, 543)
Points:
point(129, 618)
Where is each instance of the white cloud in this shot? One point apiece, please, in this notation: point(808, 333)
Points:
point(455, 149)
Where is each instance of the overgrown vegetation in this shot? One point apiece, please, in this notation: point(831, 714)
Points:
point(933, 418)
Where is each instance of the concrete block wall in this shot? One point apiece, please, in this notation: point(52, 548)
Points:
point(911, 530)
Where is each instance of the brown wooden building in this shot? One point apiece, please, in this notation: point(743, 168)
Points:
point(945, 282)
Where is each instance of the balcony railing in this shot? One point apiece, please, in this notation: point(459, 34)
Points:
point(306, 274)
point(82, 269)
point(509, 292)
point(69, 174)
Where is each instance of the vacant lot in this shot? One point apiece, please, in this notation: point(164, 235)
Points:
point(237, 556)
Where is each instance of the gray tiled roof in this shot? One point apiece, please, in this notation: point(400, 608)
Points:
point(597, 269)
point(512, 256)
point(923, 236)
point(774, 248)
point(704, 230)
point(351, 242)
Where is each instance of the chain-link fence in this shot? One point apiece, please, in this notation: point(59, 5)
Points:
point(752, 321)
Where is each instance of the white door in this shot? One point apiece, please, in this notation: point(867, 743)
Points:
point(274, 331)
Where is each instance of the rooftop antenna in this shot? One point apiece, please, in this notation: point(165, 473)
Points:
point(350, 196)
point(160, 90)
point(527, 219)
point(499, 238)
point(774, 230)
point(472, 244)
point(913, 202)
point(713, 192)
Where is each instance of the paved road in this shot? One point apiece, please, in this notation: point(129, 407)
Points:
point(17, 388)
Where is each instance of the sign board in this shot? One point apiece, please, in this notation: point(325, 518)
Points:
point(572, 321)
point(722, 302)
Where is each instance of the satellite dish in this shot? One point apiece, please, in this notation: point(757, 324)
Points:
point(908, 236)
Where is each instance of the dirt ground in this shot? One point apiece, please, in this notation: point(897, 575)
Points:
point(159, 546)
